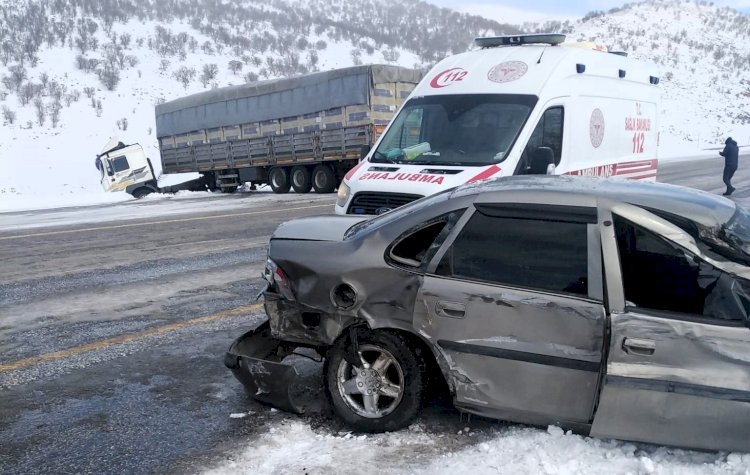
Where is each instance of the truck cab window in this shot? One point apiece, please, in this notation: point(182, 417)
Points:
point(120, 164)
point(660, 275)
point(548, 133)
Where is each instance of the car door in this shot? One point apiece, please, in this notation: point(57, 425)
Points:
point(513, 303)
point(678, 368)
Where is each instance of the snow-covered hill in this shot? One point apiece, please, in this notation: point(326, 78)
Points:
point(75, 72)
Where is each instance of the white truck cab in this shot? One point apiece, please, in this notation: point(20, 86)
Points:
point(125, 168)
point(527, 104)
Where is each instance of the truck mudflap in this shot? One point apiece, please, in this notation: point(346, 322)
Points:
point(255, 359)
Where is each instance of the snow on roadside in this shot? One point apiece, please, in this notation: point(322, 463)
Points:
point(292, 446)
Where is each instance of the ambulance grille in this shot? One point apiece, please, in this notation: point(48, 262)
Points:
point(379, 203)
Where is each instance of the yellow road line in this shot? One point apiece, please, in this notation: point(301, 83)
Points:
point(166, 221)
point(98, 345)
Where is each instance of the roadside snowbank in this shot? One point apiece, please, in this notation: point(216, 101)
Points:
point(294, 447)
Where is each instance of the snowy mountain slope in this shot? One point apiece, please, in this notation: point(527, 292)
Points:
point(59, 59)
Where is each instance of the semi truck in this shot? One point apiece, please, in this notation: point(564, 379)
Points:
point(297, 133)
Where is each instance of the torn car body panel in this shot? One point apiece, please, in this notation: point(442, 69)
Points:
point(251, 359)
point(616, 308)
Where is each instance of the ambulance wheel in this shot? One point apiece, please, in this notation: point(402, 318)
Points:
point(278, 178)
point(323, 179)
point(139, 193)
point(377, 389)
point(301, 179)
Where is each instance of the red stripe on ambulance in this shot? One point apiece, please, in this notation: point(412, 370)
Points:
point(351, 172)
point(485, 174)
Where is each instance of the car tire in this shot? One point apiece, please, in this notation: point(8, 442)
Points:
point(301, 179)
point(278, 178)
point(389, 368)
point(323, 179)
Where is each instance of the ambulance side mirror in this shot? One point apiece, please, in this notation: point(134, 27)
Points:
point(541, 161)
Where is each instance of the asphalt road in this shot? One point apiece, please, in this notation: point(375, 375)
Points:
point(112, 333)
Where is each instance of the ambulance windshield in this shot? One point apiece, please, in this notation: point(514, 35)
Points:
point(466, 129)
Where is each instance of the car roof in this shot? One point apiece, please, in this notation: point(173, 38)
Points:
point(695, 205)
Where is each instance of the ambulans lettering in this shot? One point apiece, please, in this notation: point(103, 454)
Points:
point(416, 177)
point(603, 170)
point(448, 77)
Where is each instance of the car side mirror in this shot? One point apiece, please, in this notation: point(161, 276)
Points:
point(364, 151)
point(541, 161)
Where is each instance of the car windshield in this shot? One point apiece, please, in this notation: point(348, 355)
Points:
point(466, 129)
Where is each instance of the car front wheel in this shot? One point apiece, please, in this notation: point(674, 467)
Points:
point(378, 388)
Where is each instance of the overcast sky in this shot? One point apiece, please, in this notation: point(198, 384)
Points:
point(508, 11)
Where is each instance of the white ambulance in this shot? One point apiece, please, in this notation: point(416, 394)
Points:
point(527, 104)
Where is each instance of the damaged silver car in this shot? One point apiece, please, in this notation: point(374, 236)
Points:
point(617, 309)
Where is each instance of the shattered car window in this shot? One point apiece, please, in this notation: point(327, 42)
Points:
point(417, 246)
point(729, 241)
point(379, 221)
point(737, 231)
point(661, 275)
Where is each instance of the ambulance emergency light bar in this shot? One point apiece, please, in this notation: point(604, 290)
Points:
point(543, 38)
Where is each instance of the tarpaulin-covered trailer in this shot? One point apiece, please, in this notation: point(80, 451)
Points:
point(303, 132)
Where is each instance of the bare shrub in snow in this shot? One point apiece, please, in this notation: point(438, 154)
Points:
point(41, 113)
point(251, 77)
point(209, 73)
point(391, 56)
point(8, 115)
point(235, 66)
point(356, 55)
point(185, 75)
point(125, 40)
point(109, 77)
point(89, 91)
point(99, 108)
point(28, 91)
point(54, 112)
point(17, 76)
point(164, 65)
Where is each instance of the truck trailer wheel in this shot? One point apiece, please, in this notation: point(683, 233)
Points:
point(301, 179)
point(278, 178)
point(324, 180)
point(377, 389)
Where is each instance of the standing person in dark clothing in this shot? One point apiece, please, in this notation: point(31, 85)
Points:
point(730, 154)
